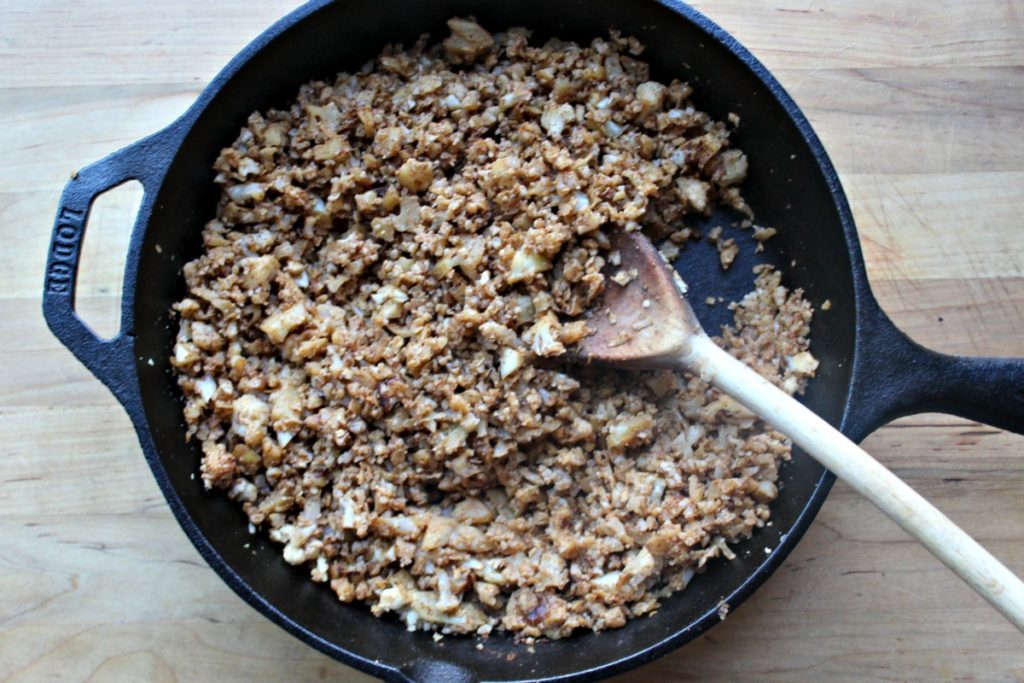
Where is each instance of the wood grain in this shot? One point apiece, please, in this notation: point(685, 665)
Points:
point(921, 108)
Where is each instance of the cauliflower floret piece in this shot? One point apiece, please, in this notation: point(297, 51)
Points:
point(651, 95)
point(554, 119)
point(250, 417)
point(526, 264)
point(629, 431)
point(543, 337)
point(218, 466)
point(802, 364)
point(474, 511)
point(280, 324)
point(468, 41)
point(439, 530)
point(695, 192)
point(416, 175)
point(246, 192)
point(286, 409)
point(258, 271)
point(511, 360)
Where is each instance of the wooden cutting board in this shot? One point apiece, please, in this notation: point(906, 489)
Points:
point(921, 106)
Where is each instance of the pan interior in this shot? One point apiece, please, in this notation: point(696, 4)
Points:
point(786, 186)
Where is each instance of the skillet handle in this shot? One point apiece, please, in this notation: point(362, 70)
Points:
point(900, 377)
point(110, 360)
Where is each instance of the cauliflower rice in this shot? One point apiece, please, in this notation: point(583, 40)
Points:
point(365, 348)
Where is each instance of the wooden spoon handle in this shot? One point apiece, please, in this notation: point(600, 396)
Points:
point(948, 542)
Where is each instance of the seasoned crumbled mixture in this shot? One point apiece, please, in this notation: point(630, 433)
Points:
point(358, 348)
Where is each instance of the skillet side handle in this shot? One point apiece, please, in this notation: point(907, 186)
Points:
point(899, 377)
point(110, 360)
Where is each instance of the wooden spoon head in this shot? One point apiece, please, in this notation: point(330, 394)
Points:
point(646, 322)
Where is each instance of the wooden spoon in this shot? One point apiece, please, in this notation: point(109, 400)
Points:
point(651, 326)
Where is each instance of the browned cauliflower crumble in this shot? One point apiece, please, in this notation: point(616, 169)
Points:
point(391, 256)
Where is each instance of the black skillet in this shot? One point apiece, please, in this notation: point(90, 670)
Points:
point(870, 371)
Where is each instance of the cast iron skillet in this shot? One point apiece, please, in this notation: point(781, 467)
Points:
point(870, 372)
